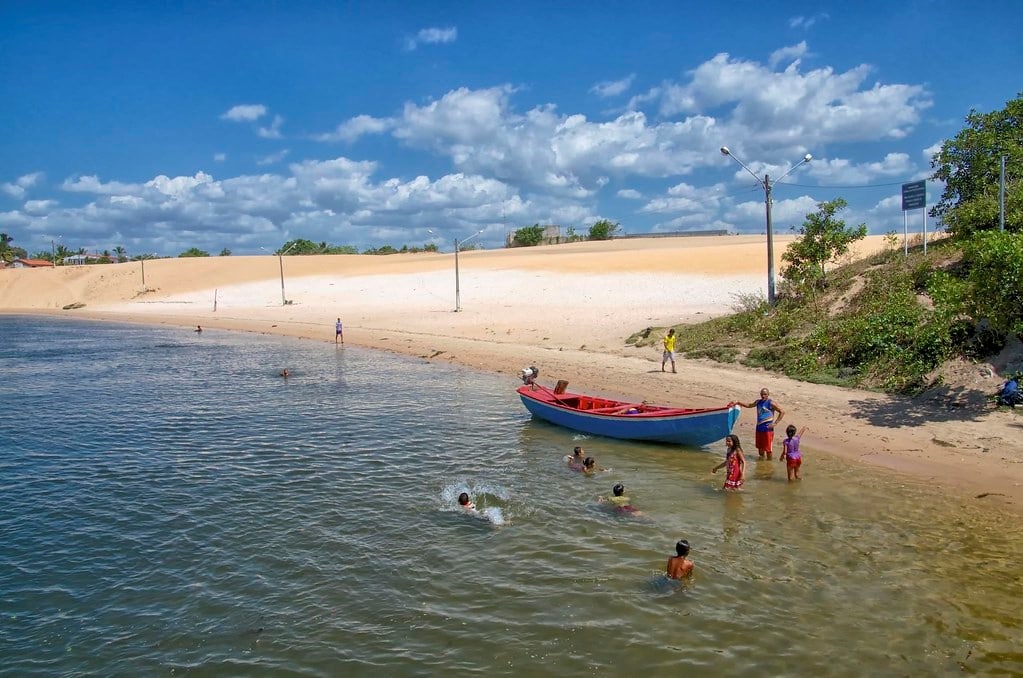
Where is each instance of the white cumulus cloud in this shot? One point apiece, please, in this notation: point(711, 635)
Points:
point(432, 36)
point(244, 113)
point(351, 130)
point(613, 88)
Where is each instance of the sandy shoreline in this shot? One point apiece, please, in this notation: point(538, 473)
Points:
point(566, 309)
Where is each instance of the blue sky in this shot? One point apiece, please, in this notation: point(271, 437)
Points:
point(167, 125)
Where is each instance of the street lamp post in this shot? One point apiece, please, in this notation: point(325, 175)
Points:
point(766, 184)
point(1001, 195)
point(458, 246)
point(280, 258)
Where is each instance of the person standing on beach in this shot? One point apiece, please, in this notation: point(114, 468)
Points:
point(338, 332)
point(679, 565)
point(790, 452)
point(734, 463)
point(766, 421)
point(669, 350)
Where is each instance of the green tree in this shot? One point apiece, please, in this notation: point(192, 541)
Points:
point(386, 249)
point(61, 253)
point(301, 246)
point(122, 254)
point(6, 250)
point(225, 252)
point(994, 261)
point(823, 239)
point(969, 164)
point(528, 236)
point(194, 252)
point(604, 230)
point(339, 249)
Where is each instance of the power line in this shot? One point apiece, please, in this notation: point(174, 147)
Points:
point(896, 183)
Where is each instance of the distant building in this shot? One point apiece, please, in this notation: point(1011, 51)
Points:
point(31, 263)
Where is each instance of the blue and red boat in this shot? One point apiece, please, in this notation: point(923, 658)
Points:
point(694, 427)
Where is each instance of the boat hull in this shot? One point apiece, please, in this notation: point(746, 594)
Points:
point(683, 426)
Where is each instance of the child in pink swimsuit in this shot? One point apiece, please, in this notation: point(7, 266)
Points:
point(791, 454)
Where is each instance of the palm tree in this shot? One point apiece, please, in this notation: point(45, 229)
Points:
point(61, 253)
point(6, 251)
point(122, 254)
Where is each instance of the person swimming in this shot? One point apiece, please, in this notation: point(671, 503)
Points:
point(463, 501)
point(618, 500)
point(576, 459)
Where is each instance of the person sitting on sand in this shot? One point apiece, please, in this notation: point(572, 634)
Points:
point(679, 565)
point(618, 500)
point(463, 501)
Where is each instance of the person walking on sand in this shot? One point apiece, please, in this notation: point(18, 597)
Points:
point(669, 350)
point(734, 463)
point(790, 452)
point(679, 565)
point(768, 416)
point(338, 333)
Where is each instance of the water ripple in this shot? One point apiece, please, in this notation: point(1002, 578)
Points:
point(178, 507)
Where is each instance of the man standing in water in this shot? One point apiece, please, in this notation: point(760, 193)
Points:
point(766, 421)
point(338, 333)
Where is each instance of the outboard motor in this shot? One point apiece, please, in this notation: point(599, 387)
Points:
point(529, 375)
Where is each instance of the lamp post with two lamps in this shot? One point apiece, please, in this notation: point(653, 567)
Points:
point(280, 257)
point(767, 184)
point(458, 246)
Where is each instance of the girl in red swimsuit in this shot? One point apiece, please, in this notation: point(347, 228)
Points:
point(734, 463)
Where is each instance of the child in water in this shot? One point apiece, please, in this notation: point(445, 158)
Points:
point(679, 565)
point(463, 501)
point(576, 459)
point(734, 463)
point(619, 500)
point(590, 466)
point(791, 454)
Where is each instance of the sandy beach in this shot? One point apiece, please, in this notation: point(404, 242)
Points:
point(568, 310)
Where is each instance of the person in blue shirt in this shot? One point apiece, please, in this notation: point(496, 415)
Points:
point(1010, 395)
point(768, 416)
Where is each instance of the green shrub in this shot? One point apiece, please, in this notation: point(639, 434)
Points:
point(603, 230)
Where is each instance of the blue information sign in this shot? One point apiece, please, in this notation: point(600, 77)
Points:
point(914, 196)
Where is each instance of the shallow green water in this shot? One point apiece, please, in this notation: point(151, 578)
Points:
point(178, 508)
